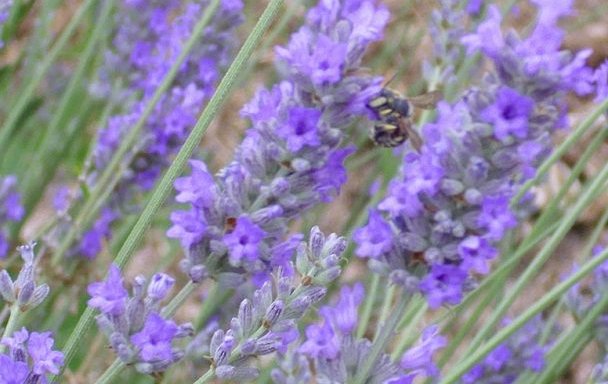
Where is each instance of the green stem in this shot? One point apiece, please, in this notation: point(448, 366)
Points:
point(368, 306)
point(161, 192)
point(537, 307)
point(12, 324)
point(381, 340)
point(30, 88)
point(111, 373)
point(408, 323)
point(179, 299)
point(583, 127)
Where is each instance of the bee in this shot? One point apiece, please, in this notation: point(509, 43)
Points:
point(394, 125)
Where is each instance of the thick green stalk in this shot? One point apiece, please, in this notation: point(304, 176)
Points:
point(13, 322)
point(537, 307)
point(368, 305)
point(163, 189)
point(111, 174)
point(179, 299)
point(534, 267)
point(30, 88)
point(111, 373)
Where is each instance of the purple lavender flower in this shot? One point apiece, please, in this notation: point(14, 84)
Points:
point(11, 371)
point(30, 356)
point(449, 207)
point(334, 353)
point(44, 359)
point(155, 338)
point(11, 210)
point(291, 159)
point(148, 41)
point(601, 82)
point(109, 296)
point(521, 352)
point(132, 324)
point(244, 242)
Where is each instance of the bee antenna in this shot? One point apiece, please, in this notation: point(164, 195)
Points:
point(391, 79)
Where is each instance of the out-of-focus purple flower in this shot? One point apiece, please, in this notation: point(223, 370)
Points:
point(132, 324)
point(13, 372)
point(419, 359)
point(11, 210)
point(149, 39)
point(520, 353)
point(30, 356)
point(291, 158)
point(601, 82)
point(155, 339)
point(5, 10)
point(375, 238)
point(40, 349)
point(109, 296)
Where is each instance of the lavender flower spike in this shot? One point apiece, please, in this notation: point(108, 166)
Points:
point(24, 290)
point(334, 354)
point(30, 358)
point(266, 323)
point(291, 157)
point(446, 212)
point(132, 324)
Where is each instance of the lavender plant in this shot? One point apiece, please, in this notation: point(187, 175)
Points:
point(460, 217)
point(291, 159)
point(450, 206)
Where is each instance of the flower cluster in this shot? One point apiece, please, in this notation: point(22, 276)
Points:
point(24, 291)
point(267, 322)
point(291, 158)
point(133, 324)
point(448, 209)
point(30, 358)
point(523, 351)
point(334, 353)
point(148, 41)
point(11, 210)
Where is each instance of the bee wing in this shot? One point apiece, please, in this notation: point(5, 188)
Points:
point(414, 137)
point(426, 100)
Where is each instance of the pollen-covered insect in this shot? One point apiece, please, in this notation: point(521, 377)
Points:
point(394, 125)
